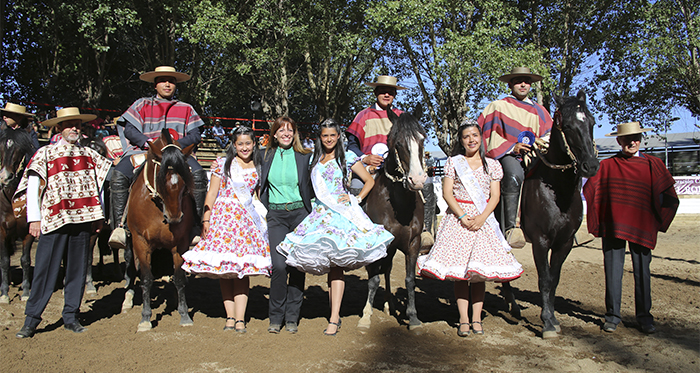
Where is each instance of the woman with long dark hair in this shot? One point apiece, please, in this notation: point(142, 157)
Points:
point(337, 236)
point(234, 244)
point(286, 192)
point(469, 247)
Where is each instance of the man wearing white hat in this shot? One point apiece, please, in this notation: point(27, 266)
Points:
point(64, 213)
point(368, 131)
point(16, 116)
point(142, 123)
point(629, 200)
point(510, 127)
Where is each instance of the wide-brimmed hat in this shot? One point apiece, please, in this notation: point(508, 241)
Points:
point(520, 71)
point(164, 71)
point(387, 81)
point(631, 128)
point(113, 122)
point(16, 109)
point(68, 113)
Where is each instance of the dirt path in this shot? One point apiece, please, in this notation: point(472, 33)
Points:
point(112, 344)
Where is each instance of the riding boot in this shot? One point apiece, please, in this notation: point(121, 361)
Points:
point(200, 193)
point(119, 194)
point(513, 233)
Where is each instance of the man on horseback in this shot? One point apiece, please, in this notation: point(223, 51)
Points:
point(142, 123)
point(368, 131)
point(63, 212)
point(630, 199)
point(510, 126)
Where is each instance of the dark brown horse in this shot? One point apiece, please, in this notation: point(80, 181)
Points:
point(15, 149)
point(396, 203)
point(551, 198)
point(161, 214)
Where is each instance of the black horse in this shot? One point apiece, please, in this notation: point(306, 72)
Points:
point(551, 207)
point(15, 150)
point(396, 203)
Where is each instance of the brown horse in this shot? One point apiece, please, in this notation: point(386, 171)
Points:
point(161, 214)
point(395, 202)
point(15, 147)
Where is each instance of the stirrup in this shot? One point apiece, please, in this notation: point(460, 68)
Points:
point(117, 240)
point(515, 238)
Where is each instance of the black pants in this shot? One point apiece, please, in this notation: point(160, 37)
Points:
point(614, 261)
point(73, 240)
point(285, 300)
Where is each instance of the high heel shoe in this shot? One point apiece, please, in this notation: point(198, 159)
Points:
point(243, 330)
point(460, 333)
point(337, 329)
point(478, 332)
point(226, 327)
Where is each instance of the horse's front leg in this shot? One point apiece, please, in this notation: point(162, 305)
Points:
point(5, 270)
point(180, 280)
point(142, 252)
point(556, 261)
point(411, 258)
point(540, 254)
point(509, 297)
point(372, 286)
point(26, 262)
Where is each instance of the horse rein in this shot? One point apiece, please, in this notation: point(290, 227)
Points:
point(153, 191)
point(572, 156)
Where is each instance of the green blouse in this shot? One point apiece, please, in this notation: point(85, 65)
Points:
point(283, 178)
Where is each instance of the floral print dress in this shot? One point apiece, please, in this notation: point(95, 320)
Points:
point(234, 246)
point(326, 239)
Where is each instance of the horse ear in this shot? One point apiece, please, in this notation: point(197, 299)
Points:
point(391, 115)
point(188, 150)
point(581, 95)
point(559, 100)
point(418, 111)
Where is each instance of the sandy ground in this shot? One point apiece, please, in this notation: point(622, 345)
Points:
point(112, 343)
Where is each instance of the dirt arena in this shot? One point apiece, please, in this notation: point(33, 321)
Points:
point(509, 345)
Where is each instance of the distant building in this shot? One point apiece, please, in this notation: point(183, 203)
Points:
point(683, 150)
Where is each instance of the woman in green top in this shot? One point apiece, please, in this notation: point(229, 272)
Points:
point(286, 192)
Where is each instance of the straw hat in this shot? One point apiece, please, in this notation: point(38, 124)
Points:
point(520, 71)
point(113, 122)
point(68, 113)
point(16, 109)
point(387, 81)
point(164, 71)
point(631, 128)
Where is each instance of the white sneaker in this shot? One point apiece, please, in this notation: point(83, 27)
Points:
point(118, 239)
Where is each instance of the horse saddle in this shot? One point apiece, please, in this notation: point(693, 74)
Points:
point(19, 203)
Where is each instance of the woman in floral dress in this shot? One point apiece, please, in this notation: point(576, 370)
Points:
point(235, 243)
point(469, 247)
point(337, 235)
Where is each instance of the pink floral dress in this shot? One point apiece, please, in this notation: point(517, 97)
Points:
point(234, 246)
point(461, 254)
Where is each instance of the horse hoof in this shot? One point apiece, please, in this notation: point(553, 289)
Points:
point(24, 298)
point(515, 312)
point(557, 328)
point(550, 334)
point(128, 301)
point(416, 327)
point(4, 299)
point(364, 325)
point(91, 291)
point(387, 309)
point(144, 326)
point(186, 322)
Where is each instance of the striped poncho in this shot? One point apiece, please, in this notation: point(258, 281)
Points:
point(631, 198)
point(503, 120)
point(371, 126)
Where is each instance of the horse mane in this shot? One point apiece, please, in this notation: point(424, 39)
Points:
point(20, 138)
point(405, 127)
point(173, 159)
point(568, 106)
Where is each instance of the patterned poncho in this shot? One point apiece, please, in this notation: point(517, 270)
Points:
point(371, 126)
point(631, 198)
point(151, 114)
point(74, 176)
point(503, 120)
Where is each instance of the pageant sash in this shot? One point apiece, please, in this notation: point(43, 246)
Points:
point(468, 179)
point(239, 187)
point(351, 211)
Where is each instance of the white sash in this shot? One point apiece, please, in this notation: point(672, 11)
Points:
point(468, 179)
point(352, 211)
point(239, 187)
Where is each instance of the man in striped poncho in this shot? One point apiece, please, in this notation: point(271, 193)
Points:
point(510, 126)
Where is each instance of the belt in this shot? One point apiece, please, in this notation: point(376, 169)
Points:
point(469, 202)
point(289, 206)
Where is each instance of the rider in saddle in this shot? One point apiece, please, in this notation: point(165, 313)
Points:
point(510, 126)
point(140, 125)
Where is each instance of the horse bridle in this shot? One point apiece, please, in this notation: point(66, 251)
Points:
point(155, 196)
point(404, 175)
point(574, 162)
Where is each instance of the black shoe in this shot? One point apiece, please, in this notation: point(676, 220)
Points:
point(609, 327)
point(226, 327)
point(242, 330)
point(337, 329)
point(466, 333)
point(75, 327)
point(275, 328)
point(26, 332)
point(291, 327)
point(648, 329)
